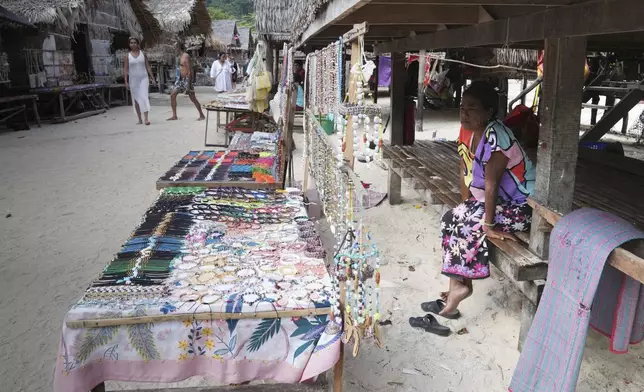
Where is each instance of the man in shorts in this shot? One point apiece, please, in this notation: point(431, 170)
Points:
point(184, 83)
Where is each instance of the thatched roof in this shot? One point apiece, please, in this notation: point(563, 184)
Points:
point(63, 13)
point(245, 38)
point(292, 17)
point(161, 19)
point(13, 19)
point(225, 30)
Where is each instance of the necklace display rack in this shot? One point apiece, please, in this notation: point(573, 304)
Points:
point(356, 262)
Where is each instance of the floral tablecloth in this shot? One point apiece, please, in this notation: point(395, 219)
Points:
point(222, 267)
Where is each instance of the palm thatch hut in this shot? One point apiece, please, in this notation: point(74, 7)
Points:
point(165, 21)
point(246, 44)
point(226, 32)
point(283, 20)
point(9, 20)
point(74, 41)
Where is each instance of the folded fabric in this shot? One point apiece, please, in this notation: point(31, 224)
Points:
point(579, 247)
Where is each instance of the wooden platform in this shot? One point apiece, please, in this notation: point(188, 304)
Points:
point(432, 169)
point(434, 166)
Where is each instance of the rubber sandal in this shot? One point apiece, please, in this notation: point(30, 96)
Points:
point(437, 306)
point(428, 323)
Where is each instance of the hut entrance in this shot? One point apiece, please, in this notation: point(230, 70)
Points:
point(80, 47)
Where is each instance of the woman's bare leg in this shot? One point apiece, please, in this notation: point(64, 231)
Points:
point(459, 290)
point(145, 116)
point(138, 112)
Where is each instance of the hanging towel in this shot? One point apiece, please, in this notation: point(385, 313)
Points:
point(579, 246)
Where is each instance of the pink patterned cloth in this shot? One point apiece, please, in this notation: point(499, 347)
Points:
point(288, 350)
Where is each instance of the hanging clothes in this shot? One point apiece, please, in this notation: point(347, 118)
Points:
point(139, 81)
point(221, 72)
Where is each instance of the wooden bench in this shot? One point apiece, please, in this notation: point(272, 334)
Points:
point(8, 112)
point(432, 169)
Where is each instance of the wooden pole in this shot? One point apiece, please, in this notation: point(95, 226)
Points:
point(197, 316)
point(376, 80)
point(559, 135)
point(398, 77)
point(348, 142)
point(421, 91)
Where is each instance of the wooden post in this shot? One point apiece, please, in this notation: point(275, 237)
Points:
point(421, 91)
point(559, 135)
point(398, 78)
point(376, 80)
point(348, 141)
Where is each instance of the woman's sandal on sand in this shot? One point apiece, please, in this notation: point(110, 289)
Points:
point(428, 323)
point(437, 306)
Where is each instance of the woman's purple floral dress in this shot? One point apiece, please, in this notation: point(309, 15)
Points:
point(465, 249)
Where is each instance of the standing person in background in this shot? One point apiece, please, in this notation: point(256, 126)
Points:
point(138, 77)
point(220, 72)
point(184, 83)
point(234, 71)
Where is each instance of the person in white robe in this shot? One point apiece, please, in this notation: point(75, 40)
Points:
point(221, 73)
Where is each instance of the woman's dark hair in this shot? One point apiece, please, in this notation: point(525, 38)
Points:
point(485, 94)
point(221, 54)
point(181, 46)
point(133, 39)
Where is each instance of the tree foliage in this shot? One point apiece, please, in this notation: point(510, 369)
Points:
point(241, 10)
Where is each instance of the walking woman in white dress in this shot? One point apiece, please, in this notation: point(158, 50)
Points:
point(138, 77)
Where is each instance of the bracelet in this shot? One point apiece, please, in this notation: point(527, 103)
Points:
point(487, 224)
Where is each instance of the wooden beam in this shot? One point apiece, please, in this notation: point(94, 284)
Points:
point(629, 260)
point(615, 114)
point(590, 18)
point(413, 14)
point(358, 30)
point(398, 79)
point(332, 33)
point(484, 16)
point(422, 58)
point(334, 11)
point(535, 3)
point(563, 81)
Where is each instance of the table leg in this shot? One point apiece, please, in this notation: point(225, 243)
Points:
point(62, 106)
point(205, 138)
point(101, 96)
point(99, 388)
point(109, 97)
point(36, 115)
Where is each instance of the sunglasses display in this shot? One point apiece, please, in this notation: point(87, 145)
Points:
point(252, 158)
point(198, 246)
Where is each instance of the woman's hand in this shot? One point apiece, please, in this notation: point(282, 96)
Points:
point(498, 234)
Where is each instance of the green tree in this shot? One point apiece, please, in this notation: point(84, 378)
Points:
point(217, 13)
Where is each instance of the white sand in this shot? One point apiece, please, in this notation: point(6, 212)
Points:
point(75, 191)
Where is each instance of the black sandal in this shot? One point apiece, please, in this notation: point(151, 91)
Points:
point(428, 323)
point(437, 306)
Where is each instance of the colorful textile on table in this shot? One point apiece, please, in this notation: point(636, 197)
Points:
point(517, 182)
point(465, 250)
point(579, 246)
point(245, 252)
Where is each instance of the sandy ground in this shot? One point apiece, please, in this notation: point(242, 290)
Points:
point(73, 192)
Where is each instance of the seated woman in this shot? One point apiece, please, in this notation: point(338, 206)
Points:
point(496, 179)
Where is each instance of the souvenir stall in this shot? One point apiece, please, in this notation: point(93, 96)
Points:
point(235, 107)
point(253, 160)
point(328, 161)
point(244, 102)
point(226, 283)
